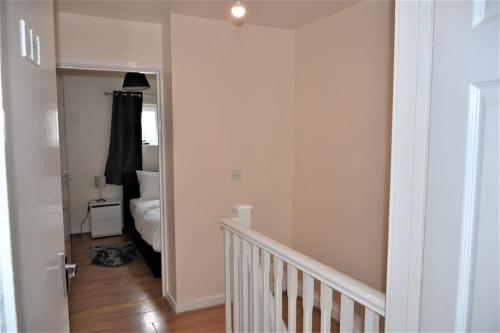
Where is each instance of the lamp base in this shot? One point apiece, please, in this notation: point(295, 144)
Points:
point(101, 200)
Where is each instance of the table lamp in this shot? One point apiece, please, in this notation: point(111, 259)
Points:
point(100, 182)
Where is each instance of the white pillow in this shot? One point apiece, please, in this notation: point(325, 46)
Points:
point(149, 184)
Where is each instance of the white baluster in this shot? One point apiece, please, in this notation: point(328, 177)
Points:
point(255, 288)
point(307, 301)
point(236, 283)
point(252, 296)
point(346, 314)
point(227, 278)
point(245, 299)
point(371, 321)
point(266, 290)
point(326, 307)
point(278, 294)
point(292, 298)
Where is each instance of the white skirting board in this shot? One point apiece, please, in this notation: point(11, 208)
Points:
point(210, 301)
point(196, 304)
point(170, 299)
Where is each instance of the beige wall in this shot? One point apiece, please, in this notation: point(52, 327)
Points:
point(305, 110)
point(87, 118)
point(342, 140)
point(104, 41)
point(232, 109)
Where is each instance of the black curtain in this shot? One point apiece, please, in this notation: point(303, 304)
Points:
point(125, 144)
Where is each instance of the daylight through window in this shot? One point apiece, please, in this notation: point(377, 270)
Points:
point(149, 124)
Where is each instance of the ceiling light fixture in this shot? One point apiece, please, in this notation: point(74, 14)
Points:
point(238, 10)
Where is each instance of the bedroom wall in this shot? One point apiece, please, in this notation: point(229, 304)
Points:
point(342, 139)
point(232, 110)
point(97, 40)
point(87, 114)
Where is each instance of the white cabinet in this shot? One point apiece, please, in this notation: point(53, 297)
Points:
point(105, 218)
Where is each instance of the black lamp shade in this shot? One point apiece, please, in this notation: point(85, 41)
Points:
point(135, 82)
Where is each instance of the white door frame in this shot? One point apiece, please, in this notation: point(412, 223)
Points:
point(158, 71)
point(410, 140)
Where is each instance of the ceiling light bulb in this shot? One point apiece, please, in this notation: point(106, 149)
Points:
point(238, 10)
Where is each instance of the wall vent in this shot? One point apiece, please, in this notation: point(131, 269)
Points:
point(30, 43)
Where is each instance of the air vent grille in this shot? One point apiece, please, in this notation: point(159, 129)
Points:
point(30, 43)
point(36, 50)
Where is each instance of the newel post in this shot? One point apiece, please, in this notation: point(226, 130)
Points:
point(243, 213)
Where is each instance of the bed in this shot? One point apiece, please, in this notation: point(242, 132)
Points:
point(146, 214)
point(142, 222)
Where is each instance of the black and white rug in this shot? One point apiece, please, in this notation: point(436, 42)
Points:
point(113, 255)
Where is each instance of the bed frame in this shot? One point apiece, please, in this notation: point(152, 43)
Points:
point(131, 191)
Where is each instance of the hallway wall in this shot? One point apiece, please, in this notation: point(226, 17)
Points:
point(303, 114)
point(232, 110)
point(343, 103)
point(99, 41)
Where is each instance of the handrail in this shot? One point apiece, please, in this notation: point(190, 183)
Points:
point(354, 289)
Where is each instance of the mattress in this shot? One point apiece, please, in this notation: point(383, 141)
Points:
point(146, 214)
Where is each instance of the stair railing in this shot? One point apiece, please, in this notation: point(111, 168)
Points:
point(254, 304)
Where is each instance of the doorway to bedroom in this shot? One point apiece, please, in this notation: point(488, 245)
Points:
point(109, 130)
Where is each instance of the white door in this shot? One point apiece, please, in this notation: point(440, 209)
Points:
point(461, 253)
point(33, 169)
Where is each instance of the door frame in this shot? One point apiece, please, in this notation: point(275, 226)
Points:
point(414, 29)
point(158, 71)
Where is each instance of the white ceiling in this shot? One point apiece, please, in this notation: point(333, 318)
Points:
point(289, 14)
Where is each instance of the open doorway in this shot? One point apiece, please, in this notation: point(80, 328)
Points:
point(112, 217)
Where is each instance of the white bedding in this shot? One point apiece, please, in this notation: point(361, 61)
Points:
point(146, 214)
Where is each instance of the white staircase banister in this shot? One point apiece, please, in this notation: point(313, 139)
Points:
point(356, 290)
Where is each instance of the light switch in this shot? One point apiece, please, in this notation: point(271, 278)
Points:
point(236, 175)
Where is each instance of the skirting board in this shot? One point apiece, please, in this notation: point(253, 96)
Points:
point(197, 304)
point(220, 300)
point(170, 300)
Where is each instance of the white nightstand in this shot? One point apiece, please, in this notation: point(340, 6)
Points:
point(105, 218)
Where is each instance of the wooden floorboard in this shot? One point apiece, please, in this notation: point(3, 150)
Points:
point(128, 299)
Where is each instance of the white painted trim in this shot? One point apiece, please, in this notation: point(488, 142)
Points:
point(193, 305)
point(197, 304)
point(354, 289)
point(108, 66)
point(163, 171)
point(171, 300)
point(410, 140)
point(477, 97)
point(156, 70)
point(335, 309)
point(469, 213)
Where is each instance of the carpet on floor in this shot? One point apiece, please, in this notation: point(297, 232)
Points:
point(113, 255)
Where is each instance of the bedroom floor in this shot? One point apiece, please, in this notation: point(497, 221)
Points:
point(127, 298)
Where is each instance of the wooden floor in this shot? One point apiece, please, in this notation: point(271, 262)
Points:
point(128, 299)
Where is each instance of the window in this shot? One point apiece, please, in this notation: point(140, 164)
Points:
point(149, 124)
